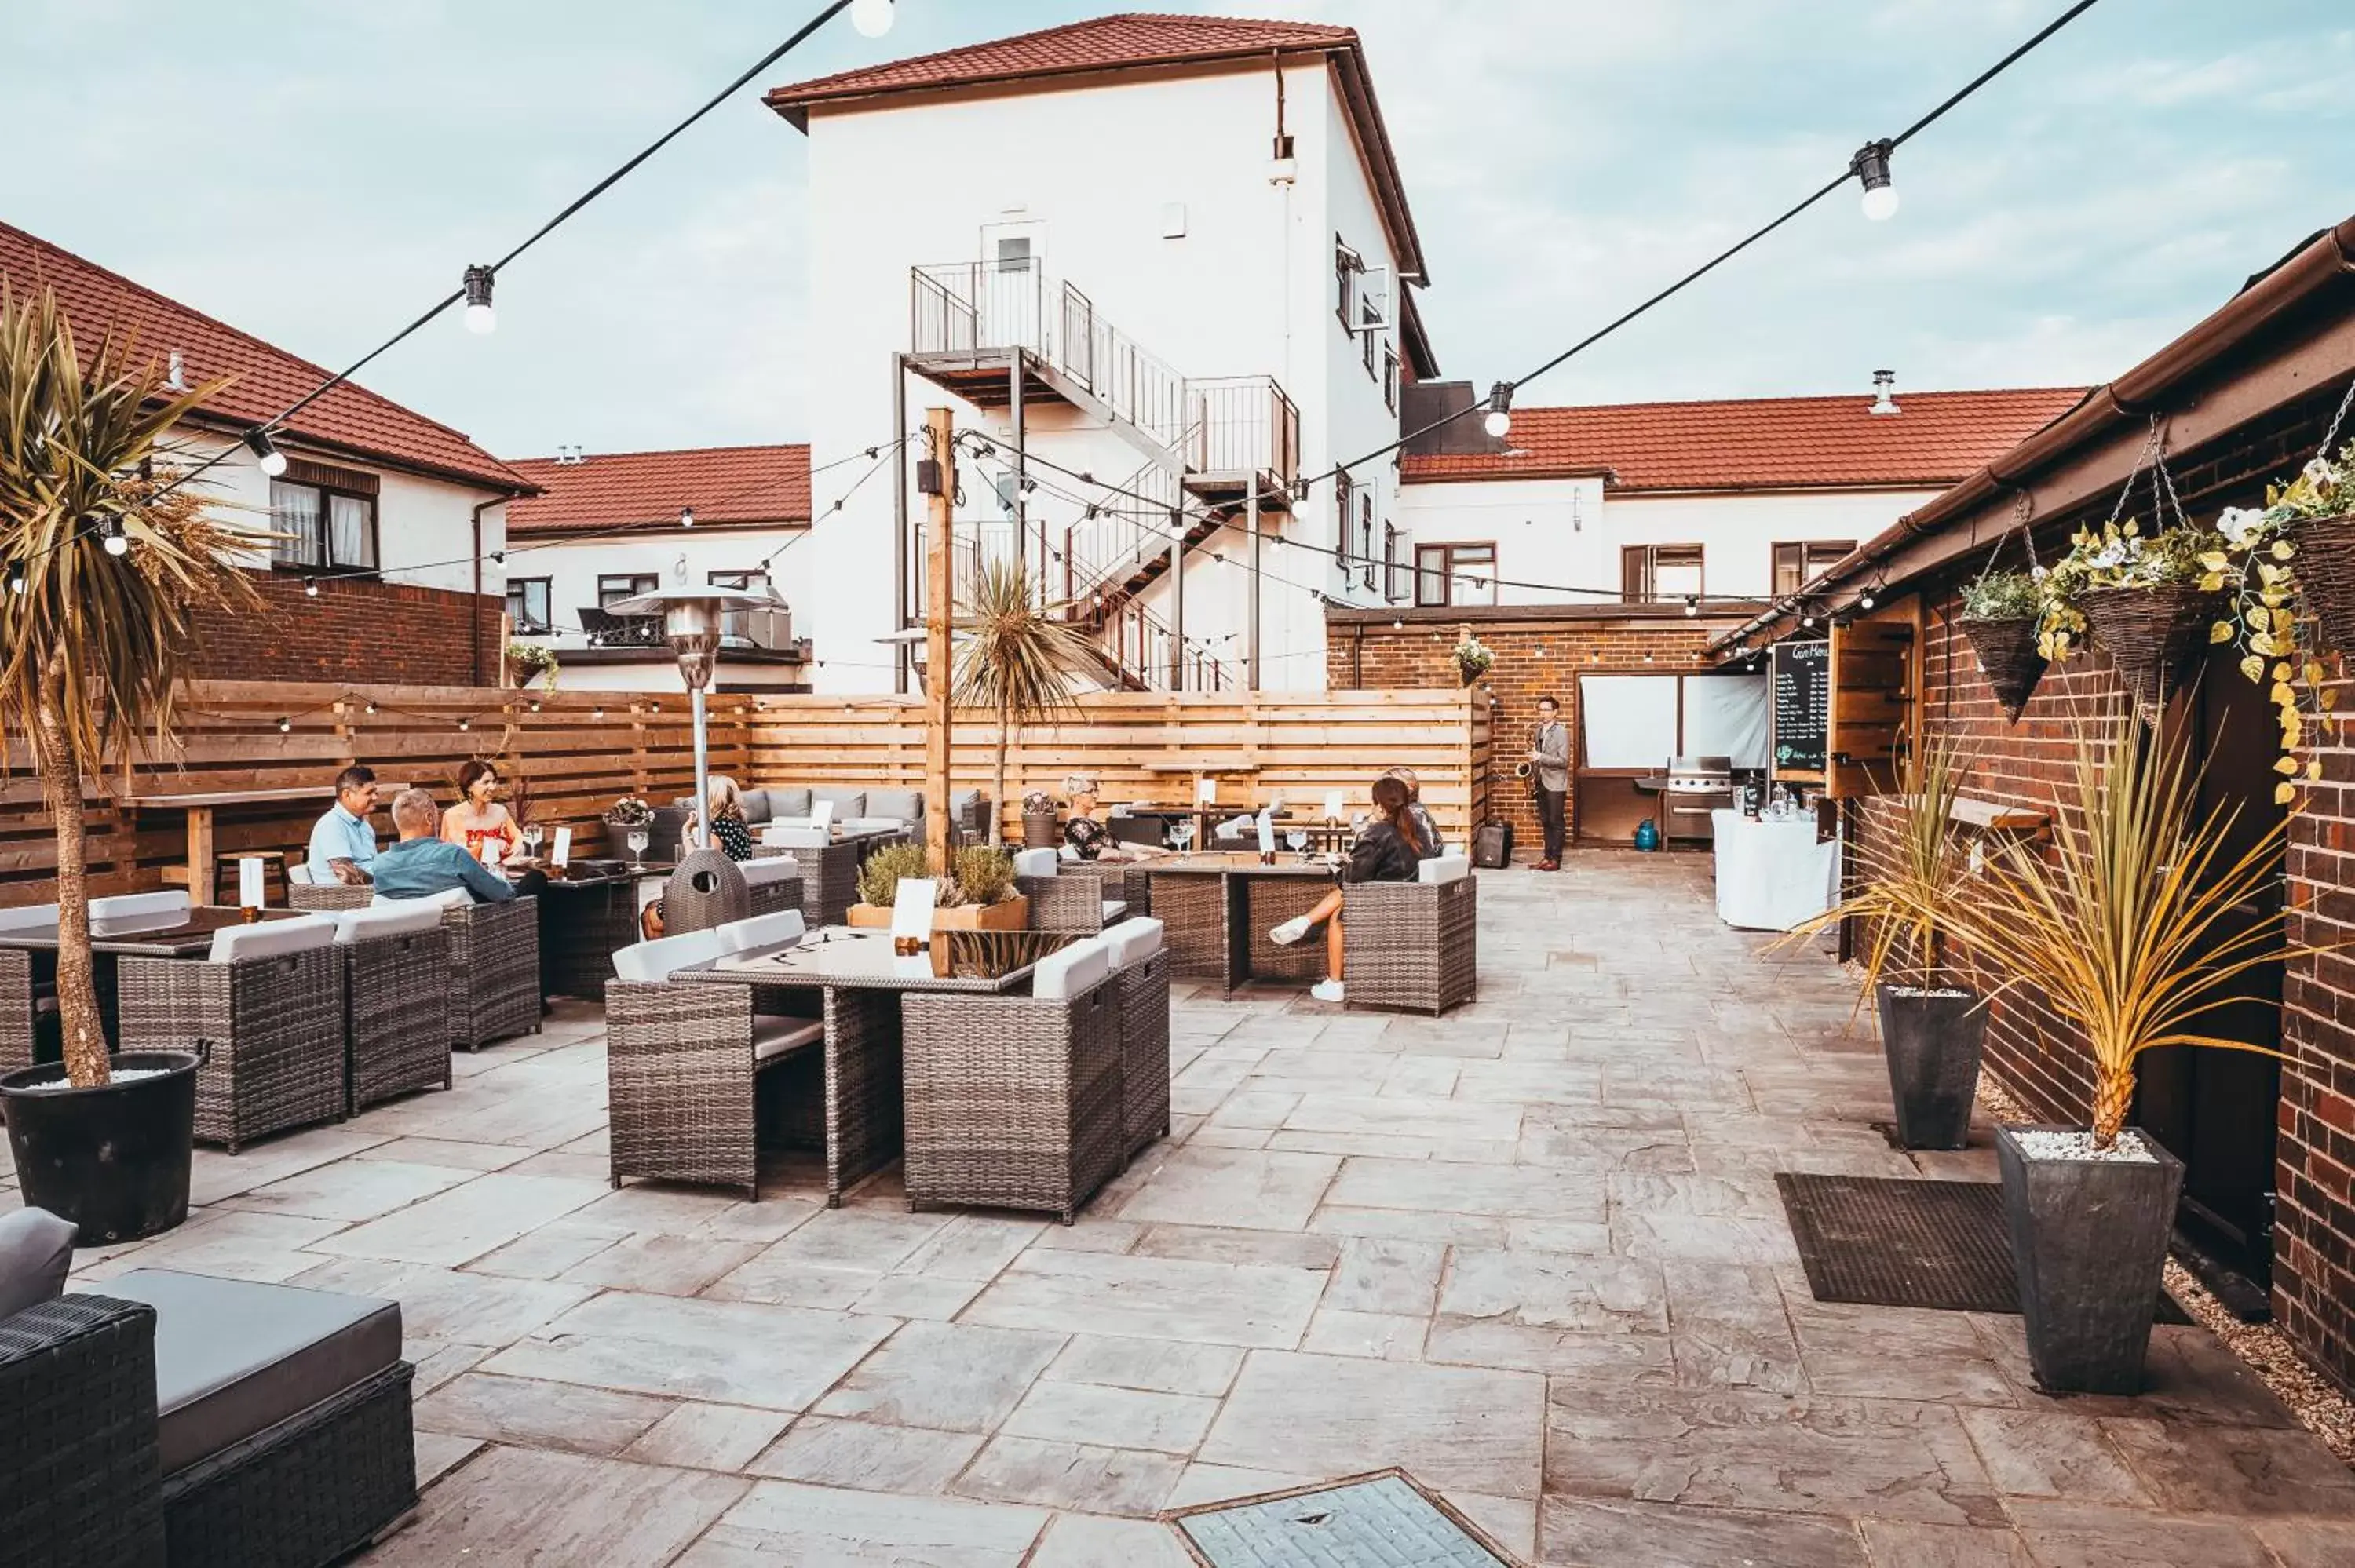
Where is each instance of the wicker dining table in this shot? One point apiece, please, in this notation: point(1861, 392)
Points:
point(859, 980)
point(1217, 909)
point(586, 917)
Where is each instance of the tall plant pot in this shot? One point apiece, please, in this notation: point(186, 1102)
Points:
point(1933, 1041)
point(113, 1160)
point(2088, 1243)
point(2154, 636)
point(1038, 831)
point(2324, 565)
point(2007, 650)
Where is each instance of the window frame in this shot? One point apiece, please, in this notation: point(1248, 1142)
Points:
point(1365, 536)
point(1643, 586)
point(1482, 552)
point(1391, 376)
point(330, 484)
point(740, 581)
point(518, 606)
point(1391, 566)
point(639, 582)
point(1805, 555)
point(1347, 268)
point(1344, 490)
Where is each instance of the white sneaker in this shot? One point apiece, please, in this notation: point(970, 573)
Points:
point(1290, 931)
point(1325, 991)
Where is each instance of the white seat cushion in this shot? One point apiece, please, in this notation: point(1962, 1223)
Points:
point(272, 938)
point(448, 898)
point(1073, 972)
point(874, 824)
point(1034, 863)
point(778, 930)
point(26, 915)
point(656, 960)
point(125, 904)
point(771, 868)
point(776, 1037)
point(393, 917)
point(1133, 941)
point(1115, 910)
point(795, 838)
point(300, 875)
point(1444, 868)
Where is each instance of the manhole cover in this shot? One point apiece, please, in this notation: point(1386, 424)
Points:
point(1381, 1520)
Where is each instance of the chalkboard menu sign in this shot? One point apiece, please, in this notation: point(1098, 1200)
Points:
point(1802, 705)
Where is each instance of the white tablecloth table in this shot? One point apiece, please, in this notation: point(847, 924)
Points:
point(1772, 876)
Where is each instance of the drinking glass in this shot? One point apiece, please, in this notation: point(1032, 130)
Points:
point(638, 840)
point(532, 834)
point(1298, 839)
point(1183, 833)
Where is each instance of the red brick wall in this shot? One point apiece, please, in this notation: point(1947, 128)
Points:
point(356, 632)
point(1539, 655)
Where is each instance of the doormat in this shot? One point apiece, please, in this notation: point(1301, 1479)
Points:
point(1384, 1517)
point(1881, 1241)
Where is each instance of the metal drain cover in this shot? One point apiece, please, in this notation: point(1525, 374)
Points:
point(1371, 1522)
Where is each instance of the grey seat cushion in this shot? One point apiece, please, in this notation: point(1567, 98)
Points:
point(788, 801)
point(847, 802)
point(776, 1037)
point(756, 806)
point(36, 1255)
point(900, 805)
point(234, 1357)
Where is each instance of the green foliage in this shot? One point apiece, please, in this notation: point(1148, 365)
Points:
point(879, 879)
point(2118, 557)
point(2003, 596)
point(531, 660)
point(983, 875)
point(1013, 658)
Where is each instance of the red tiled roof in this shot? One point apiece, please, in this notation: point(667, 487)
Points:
point(1762, 443)
point(726, 485)
point(350, 420)
point(1134, 41)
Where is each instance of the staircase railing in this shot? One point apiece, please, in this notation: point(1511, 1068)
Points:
point(1242, 425)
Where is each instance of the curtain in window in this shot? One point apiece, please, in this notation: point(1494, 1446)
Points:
point(349, 534)
point(294, 513)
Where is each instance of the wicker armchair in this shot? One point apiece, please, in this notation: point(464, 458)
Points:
point(1413, 944)
point(1065, 895)
point(396, 962)
point(773, 882)
point(20, 990)
point(829, 871)
point(1013, 1102)
point(265, 1013)
point(494, 975)
point(327, 897)
point(682, 1060)
point(77, 1380)
point(1140, 983)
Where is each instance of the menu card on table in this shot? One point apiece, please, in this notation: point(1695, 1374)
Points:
point(563, 853)
point(911, 907)
point(822, 815)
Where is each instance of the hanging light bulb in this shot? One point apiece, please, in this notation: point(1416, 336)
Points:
point(118, 543)
point(465, 724)
point(498, 557)
point(273, 461)
point(1692, 604)
point(311, 588)
point(16, 576)
point(687, 516)
point(481, 320)
point(371, 708)
point(872, 17)
point(1498, 420)
point(1864, 600)
point(1870, 165)
point(284, 725)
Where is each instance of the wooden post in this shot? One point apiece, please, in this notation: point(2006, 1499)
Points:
point(940, 611)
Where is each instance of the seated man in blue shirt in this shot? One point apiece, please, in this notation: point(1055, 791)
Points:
point(423, 864)
point(345, 834)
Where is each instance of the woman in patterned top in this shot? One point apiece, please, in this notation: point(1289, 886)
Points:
point(477, 821)
point(730, 836)
point(1084, 838)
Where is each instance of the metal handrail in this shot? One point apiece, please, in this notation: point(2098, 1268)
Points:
point(1243, 424)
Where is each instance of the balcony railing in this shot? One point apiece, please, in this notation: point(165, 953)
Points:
point(1242, 425)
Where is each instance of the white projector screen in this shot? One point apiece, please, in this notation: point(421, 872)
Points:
point(1630, 721)
point(1726, 716)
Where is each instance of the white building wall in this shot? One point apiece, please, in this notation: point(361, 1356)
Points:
point(1569, 532)
point(425, 528)
point(1104, 173)
point(573, 570)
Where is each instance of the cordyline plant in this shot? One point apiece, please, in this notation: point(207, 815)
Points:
point(93, 648)
point(1914, 879)
point(2124, 923)
point(1013, 658)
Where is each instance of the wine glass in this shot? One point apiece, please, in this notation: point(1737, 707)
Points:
point(1183, 833)
point(637, 841)
point(1298, 839)
point(532, 834)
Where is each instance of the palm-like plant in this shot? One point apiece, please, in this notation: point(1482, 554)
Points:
point(1916, 877)
point(93, 647)
point(2124, 925)
point(1013, 658)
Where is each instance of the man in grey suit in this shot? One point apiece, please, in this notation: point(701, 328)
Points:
point(1549, 754)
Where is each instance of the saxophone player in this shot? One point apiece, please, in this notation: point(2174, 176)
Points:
point(1549, 755)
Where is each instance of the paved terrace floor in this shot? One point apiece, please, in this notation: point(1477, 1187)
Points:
point(1532, 1252)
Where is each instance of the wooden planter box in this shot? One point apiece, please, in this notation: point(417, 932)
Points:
point(1006, 915)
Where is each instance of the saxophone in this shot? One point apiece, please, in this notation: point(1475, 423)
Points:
point(1524, 768)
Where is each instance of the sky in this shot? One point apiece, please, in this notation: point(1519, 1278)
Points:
point(317, 171)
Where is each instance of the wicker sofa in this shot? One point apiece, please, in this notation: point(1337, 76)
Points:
point(183, 1420)
point(494, 981)
point(1413, 944)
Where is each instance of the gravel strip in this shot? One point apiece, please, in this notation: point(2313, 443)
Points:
point(2320, 1407)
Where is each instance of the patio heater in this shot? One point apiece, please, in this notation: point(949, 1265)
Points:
point(706, 889)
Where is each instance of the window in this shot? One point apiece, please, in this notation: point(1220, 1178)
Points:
point(327, 515)
point(527, 605)
point(1345, 509)
point(1346, 265)
point(625, 585)
point(1369, 337)
point(754, 581)
point(1795, 565)
point(1389, 378)
point(1454, 574)
point(1394, 584)
point(1014, 253)
point(1365, 536)
point(1654, 574)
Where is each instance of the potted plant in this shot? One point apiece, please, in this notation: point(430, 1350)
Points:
point(1039, 821)
point(975, 894)
point(527, 661)
point(2002, 612)
point(2120, 928)
point(1473, 659)
point(1014, 659)
point(1933, 1026)
point(93, 644)
point(2144, 601)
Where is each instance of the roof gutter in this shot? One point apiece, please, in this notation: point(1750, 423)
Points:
point(2105, 412)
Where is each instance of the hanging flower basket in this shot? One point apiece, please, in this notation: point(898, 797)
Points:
point(2326, 577)
point(2154, 636)
point(2007, 650)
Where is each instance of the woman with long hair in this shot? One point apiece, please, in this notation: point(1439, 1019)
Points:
point(1391, 848)
point(478, 819)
